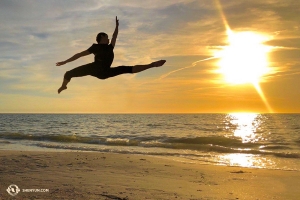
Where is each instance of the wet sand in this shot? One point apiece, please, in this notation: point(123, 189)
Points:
point(92, 175)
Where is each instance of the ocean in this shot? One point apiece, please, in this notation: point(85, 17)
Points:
point(251, 140)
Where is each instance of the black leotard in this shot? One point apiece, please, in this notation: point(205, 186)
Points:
point(100, 68)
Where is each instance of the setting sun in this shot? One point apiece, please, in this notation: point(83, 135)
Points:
point(245, 59)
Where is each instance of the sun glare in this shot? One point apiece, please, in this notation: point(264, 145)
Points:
point(245, 59)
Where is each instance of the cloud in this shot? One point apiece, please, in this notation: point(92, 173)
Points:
point(37, 34)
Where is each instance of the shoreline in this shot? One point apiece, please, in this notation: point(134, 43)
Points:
point(96, 175)
point(238, 160)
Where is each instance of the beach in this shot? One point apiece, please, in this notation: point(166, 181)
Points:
point(97, 175)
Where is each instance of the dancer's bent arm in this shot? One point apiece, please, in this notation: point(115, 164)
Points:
point(115, 35)
point(75, 57)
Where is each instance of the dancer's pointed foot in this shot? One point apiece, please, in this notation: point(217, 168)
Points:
point(158, 63)
point(61, 89)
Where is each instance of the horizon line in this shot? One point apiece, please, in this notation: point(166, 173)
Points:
point(242, 112)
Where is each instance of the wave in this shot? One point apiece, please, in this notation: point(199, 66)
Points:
point(165, 153)
point(200, 144)
point(4, 142)
point(287, 155)
point(143, 141)
point(276, 147)
point(216, 140)
point(52, 138)
point(116, 150)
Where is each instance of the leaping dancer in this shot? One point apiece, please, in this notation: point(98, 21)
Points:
point(104, 56)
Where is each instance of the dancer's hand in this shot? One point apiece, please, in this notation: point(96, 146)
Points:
point(61, 63)
point(117, 21)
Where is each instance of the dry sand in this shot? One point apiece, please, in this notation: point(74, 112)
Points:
point(92, 175)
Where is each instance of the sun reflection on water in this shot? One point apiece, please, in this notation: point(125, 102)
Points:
point(246, 160)
point(248, 127)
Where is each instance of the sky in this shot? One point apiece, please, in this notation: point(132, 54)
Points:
point(35, 34)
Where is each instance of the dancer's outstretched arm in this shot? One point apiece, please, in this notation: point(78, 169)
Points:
point(75, 57)
point(115, 35)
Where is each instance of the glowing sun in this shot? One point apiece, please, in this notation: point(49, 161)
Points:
point(245, 59)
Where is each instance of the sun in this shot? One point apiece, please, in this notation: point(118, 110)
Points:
point(245, 59)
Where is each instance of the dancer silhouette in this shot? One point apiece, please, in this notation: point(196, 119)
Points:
point(104, 56)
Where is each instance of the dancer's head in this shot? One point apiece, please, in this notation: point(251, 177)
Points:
point(102, 38)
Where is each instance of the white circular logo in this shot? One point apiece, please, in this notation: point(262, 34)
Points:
point(13, 190)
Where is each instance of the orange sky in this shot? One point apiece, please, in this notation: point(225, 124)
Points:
point(34, 38)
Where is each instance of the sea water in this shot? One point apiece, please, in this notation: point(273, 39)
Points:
point(249, 140)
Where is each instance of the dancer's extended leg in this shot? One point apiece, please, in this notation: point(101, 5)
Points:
point(139, 68)
point(84, 70)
